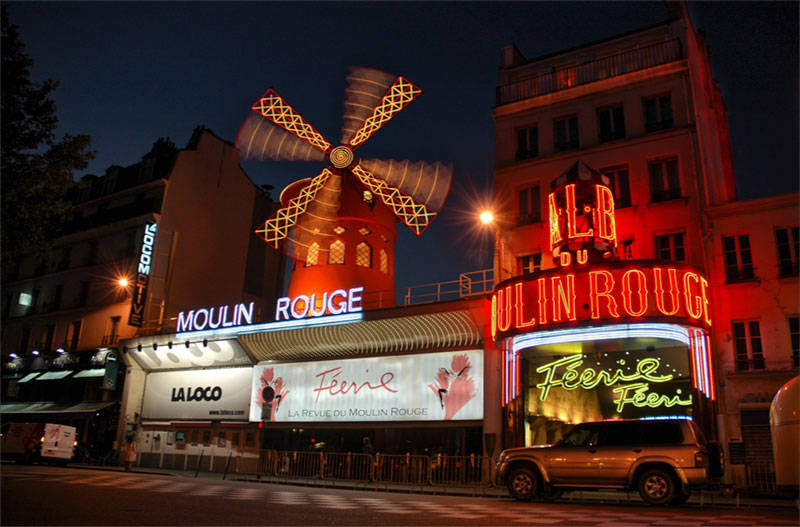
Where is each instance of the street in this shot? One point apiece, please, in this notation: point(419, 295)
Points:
point(42, 495)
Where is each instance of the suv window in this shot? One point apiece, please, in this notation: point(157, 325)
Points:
point(617, 434)
point(581, 435)
point(663, 432)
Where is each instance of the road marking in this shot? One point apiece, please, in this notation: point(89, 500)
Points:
point(211, 490)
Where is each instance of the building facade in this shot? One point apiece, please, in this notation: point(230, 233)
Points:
point(643, 111)
point(165, 224)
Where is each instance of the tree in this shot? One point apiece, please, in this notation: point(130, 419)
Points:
point(36, 169)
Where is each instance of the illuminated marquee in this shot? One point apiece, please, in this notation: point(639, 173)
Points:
point(632, 291)
point(333, 303)
point(565, 373)
point(142, 275)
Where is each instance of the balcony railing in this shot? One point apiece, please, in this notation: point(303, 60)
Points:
point(604, 68)
point(739, 274)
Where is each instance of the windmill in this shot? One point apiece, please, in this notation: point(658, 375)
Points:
point(339, 226)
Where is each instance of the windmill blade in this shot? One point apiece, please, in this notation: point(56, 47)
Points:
point(399, 95)
point(414, 214)
point(310, 239)
point(364, 89)
point(276, 109)
point(428, 183)
point(260, 139)
point(276, 229)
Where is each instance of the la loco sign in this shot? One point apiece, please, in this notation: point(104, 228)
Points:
point(633, 291)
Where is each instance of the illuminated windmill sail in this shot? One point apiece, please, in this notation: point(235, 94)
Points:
point(414, 192)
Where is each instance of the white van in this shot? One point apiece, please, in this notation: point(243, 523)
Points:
point(29, 442)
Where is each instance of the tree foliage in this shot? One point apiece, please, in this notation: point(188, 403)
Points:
point(36, 169)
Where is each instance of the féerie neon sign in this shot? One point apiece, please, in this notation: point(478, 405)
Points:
point(564, 373)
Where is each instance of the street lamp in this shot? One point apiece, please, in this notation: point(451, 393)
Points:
point(486, 217)
point(123, 282)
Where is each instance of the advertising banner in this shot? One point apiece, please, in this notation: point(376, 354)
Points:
point(222, 394)
point(139, 298)
point(427, 387)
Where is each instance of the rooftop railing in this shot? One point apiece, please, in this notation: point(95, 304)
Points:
point(599, 69)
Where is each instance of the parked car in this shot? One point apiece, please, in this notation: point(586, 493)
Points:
point(662, 459)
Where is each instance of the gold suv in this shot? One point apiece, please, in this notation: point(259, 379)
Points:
point(662, 459)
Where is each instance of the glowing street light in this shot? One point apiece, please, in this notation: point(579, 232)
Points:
point(486, 217)
point(123, 282)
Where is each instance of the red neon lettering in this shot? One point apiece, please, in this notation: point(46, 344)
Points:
point(673, 290)
point(706, 310)
point(694, 302)
point(640, 291)
point(494, 316)
point(582, 256)
point(345, 386)
point(542, 302)
point(604, 214)
point(595, 293)
point(504, 309)
point(555, 230)
point(572, 215)
point(521, 309)
point(563, 297)
point(565, 258)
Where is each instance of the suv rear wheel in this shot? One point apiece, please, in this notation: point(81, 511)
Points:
point(657, 486)
point(523, 484)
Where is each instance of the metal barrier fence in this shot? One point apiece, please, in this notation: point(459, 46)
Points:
point(761, 476)
point(404, 469)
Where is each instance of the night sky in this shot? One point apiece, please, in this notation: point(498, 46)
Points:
point(133, 72)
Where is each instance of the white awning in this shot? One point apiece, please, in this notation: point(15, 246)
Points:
point(28, 377)
point(53, 375)
point(97, 372)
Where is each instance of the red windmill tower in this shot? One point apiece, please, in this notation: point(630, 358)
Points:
point(339, 226)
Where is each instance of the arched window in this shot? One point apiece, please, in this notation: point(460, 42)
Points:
point(384, 261)
point(363, 255)
point(336, 253)
point(312, 256)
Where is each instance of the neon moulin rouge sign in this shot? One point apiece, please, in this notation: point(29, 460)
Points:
point(589, 286)
point(630, 291)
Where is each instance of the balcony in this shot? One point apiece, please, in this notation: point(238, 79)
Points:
point(604, 68)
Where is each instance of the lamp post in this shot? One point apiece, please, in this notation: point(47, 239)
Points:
point(488, 219)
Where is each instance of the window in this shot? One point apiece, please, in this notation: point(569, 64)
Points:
point(312, 256)
point(76, 333)
point(50, 332)
point(565, 77)
point(193, 435)
point(530, 263)
point(658, 113)
point(566, 133)
point(611, 123)
point(91, 253)
point(527, 142)
point(206, 437)
point(113, 331)
point(249, 439)
point(336, 253)
point(620, 187)
point(65, 258)
point(670, 247)
point(664, 181)
point(529, 206)
point(747, 345)
point(738, 260)
point(788, 244)
point(235, 439)
point(57, 295)
point(625, 250)
point(794, 334)
point(83, 294)
point(363, 255)
point(384, 261)
point(23, 341)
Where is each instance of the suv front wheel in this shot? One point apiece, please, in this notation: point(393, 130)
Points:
point(523, 484)
point(657, 486)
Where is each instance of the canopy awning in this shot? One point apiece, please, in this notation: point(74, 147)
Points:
point(452, 329)
point(97, 372)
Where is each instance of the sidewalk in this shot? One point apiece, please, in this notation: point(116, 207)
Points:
point(698, 498)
